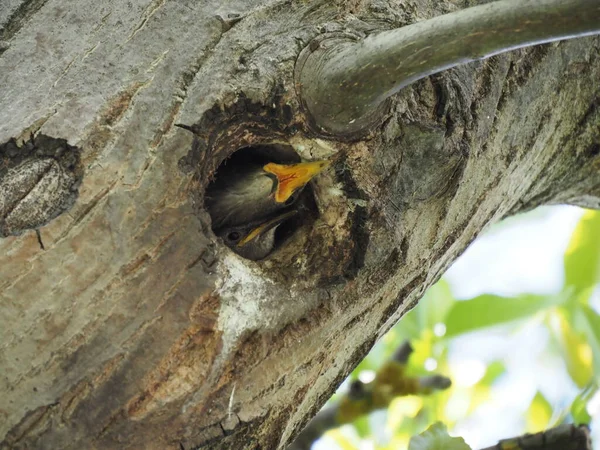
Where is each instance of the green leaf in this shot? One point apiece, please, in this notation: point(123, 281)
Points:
point(488, 310)
point(539, 414)
point(588, 321)
point(436, 437)
point(576, 351)
point(493, 371)
point(579, 405)
point(579, 411)
point(582, 258)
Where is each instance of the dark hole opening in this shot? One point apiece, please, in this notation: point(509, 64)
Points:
point(263, 154)
point(236, 168)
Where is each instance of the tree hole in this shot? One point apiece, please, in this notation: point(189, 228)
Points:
point(245, 203)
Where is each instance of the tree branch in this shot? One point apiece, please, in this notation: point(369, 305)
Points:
point(390, 382)
point(343, 82)
point(562, 437)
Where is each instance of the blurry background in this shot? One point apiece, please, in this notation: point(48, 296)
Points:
point(515, 323)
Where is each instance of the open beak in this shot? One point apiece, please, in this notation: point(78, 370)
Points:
point(291, 177)
point(264, 227)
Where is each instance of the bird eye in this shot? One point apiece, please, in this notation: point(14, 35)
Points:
point(233, 236)
point(290, 200)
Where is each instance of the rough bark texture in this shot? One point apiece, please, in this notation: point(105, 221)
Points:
point(136, 327)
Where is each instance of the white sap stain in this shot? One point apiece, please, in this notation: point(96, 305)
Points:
point(247, 300)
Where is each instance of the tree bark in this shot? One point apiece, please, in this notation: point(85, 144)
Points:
point(136, 327)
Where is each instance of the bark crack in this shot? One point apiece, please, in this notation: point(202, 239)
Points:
point(150, 158)
point(85, 211)
point(91, 50)
point(64, 72)
point(30, 132)
point(181, 90)
point(102, 21)
point(7, 286)
point(146, 15)
point(29, 422)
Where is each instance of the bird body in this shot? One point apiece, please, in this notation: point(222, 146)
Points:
point(240, 196)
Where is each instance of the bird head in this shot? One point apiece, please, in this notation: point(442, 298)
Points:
point(290, 178)
point(254, 240)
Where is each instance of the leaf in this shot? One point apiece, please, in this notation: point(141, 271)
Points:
point(579, 410)
point(582, 258)
point(480, 392)
point(493, 371)
point(488, 310)
point(436, 437)
point(576, 352)
point(588, 321)
point(539, 414)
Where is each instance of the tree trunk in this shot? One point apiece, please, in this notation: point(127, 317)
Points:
point(135, 327)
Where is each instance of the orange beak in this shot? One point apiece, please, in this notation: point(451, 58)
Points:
point(292, 177)
point(263, 228)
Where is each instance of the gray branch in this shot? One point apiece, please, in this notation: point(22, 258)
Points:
point(329, 417)
point(343, 82)
point(562, 437)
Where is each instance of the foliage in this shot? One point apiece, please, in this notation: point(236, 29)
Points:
point(436, 437)
point(440, 324)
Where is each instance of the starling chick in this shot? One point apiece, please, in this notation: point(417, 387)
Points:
point(248, 193)
point(255, 240)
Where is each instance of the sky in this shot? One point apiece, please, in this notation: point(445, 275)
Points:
point(521, 254)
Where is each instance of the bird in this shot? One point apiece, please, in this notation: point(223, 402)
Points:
point(248, 192)
point(254, 240)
